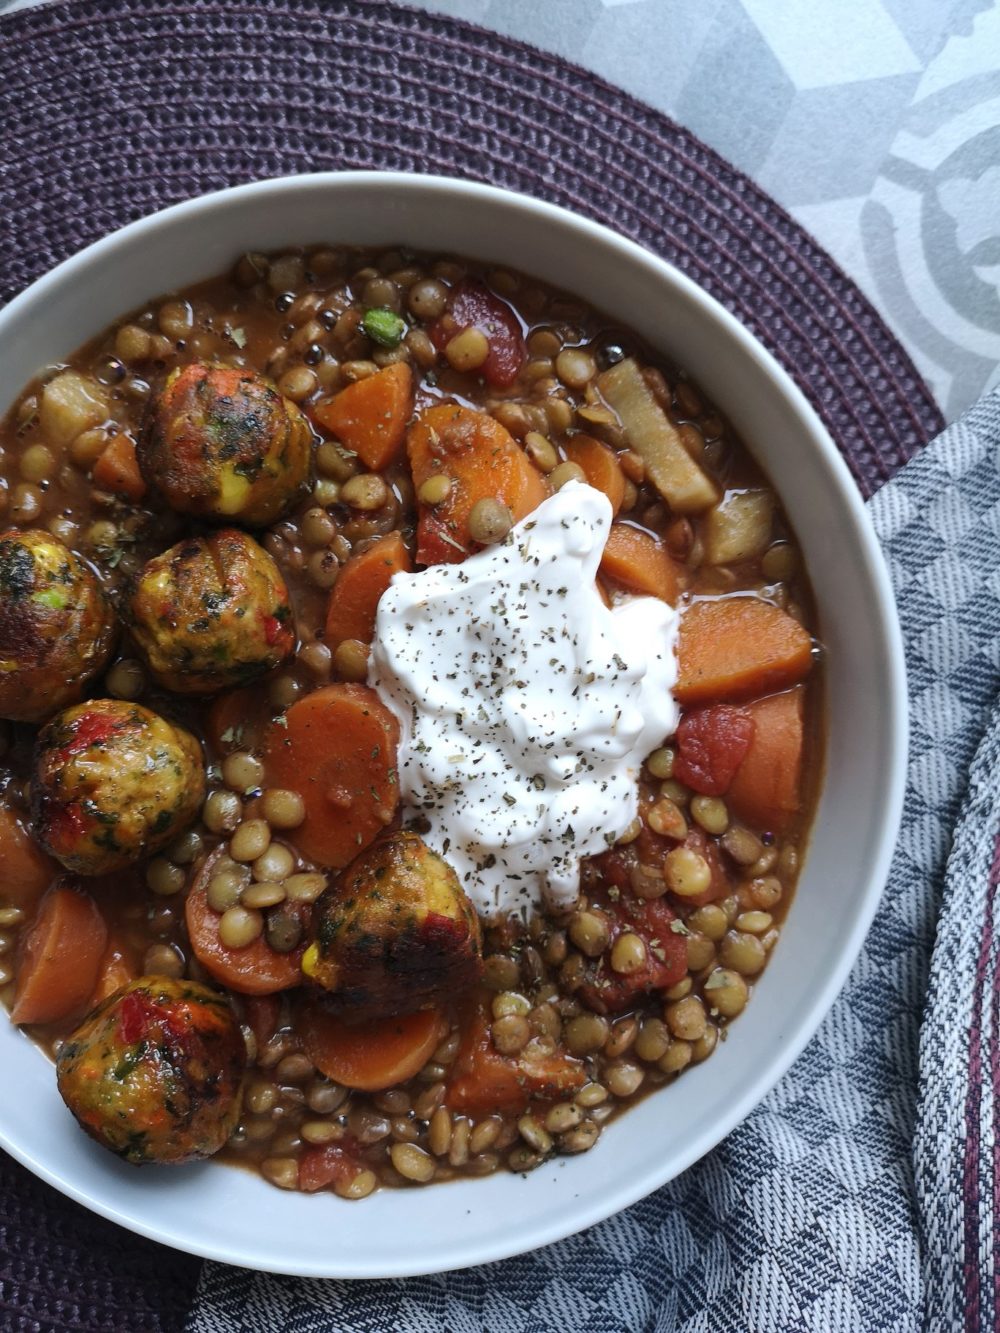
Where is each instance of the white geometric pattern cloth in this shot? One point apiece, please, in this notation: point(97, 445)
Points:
point(807, 1217)
point(876, 123)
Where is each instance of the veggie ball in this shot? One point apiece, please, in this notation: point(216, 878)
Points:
point(56, 627)
point(155, 1072)
point(210, 613)
point(396, 933)
point(223, 443)
point(113, 782)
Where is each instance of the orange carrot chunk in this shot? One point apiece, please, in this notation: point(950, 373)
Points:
point(370, 416)
point(118, 967)
point(736, 647)
point(355, 596)
point(337, 749)
point(600, 467)
point(638, 561)
point(766, 790)
point(255, 969)
point(484, 1082)
point(238, 719)
point(25, 871)
point(117, 469)
point(482, 461)
point(370, 1055)
point(59, 958)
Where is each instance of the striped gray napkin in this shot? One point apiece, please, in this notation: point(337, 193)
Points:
point(858, 1196)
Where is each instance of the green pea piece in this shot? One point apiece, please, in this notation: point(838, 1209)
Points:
point(384, 327)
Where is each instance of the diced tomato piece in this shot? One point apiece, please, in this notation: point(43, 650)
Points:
point(333, 1164)
point(262, 1015)
point(437, 545)
point(473, 306)
point(711, 745)
point(238, 719)
point(611, 992)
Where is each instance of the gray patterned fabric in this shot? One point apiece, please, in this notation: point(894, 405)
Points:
point(808, 1216)
point(874, 122)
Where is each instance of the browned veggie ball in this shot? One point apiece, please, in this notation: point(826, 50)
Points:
point(211, 612)
point(396, 933)
point(56, 627)
point(113, 782)
point(223, 443)
point(155, 1072)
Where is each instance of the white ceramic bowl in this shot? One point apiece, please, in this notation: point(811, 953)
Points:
point(232, 1215)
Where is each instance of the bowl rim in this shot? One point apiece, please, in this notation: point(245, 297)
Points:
point(876, 574)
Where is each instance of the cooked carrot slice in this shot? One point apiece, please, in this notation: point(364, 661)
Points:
point(25, 871)
point(600, 467)
point(118, 967)
point(370, 1055)
point(735, 647)
point(482, 461)
point(337, 749)
point(354, 598)
point(641, 563)
point(238, 719)
point(117, 469)
point(370, 415)
point(59, 958)
point(484, 1082)
point(256, 969)
point(766, 790)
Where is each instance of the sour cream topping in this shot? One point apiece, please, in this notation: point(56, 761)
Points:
point(525, 705)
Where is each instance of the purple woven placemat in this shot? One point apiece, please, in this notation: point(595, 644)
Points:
point(114, 108)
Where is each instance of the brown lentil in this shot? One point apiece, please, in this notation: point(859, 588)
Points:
point(586, 1034)
point(282, 809)
point(435, 490)
point(742, 952)
point(238, 927)
point(710, 813)
point(566, 472)
point(541, 451)
point(686, 1018)
point(412, 1163)
point(590, 933)
point(686, 872)
point(350, 660)
point(250, 839)
point(305, 887)
point(163, 877)
point(489, 522)
point(468, 350)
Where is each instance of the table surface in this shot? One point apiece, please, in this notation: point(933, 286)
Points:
point(876, 123)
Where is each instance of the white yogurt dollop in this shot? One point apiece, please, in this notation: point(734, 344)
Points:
point(525, 705)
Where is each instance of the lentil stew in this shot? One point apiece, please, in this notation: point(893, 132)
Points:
point(198, 787)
